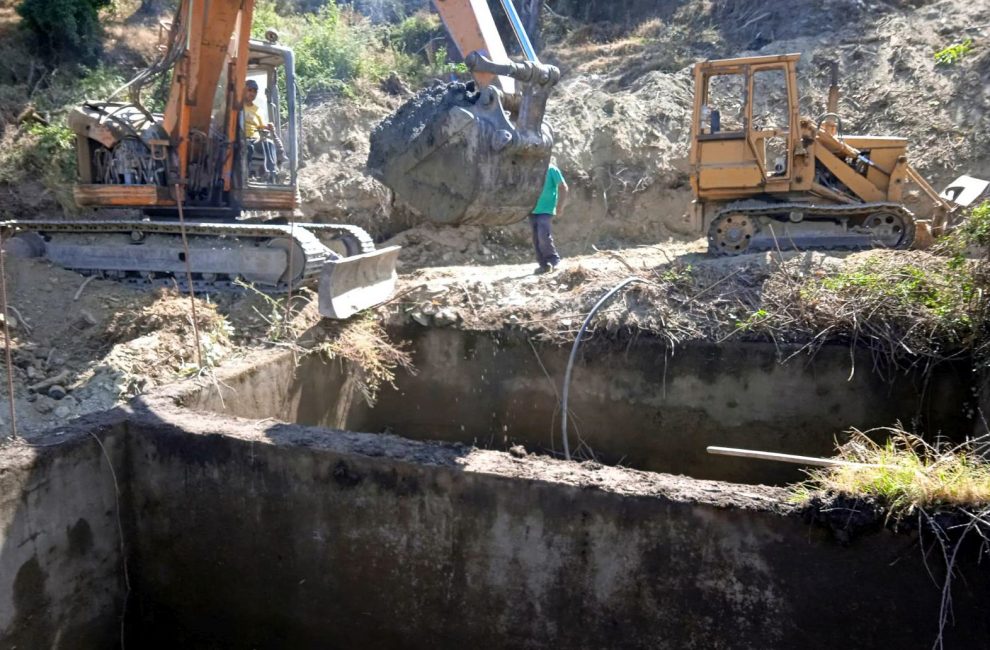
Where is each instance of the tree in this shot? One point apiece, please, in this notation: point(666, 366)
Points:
point(64, 30)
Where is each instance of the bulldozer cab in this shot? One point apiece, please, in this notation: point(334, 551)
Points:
point(745, 126)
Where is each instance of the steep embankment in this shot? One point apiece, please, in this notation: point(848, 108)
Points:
point(622, 110)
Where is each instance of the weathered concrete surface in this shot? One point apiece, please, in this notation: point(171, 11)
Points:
point(61, 580)
point(267, 535)
point(639, 405)
point(272, 535)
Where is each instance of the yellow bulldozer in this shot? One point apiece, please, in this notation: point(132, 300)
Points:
point(766, 178)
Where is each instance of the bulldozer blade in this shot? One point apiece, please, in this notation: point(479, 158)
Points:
point(455, 159)
point(965, 190)
point(352, 284)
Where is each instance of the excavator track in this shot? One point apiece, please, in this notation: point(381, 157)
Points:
point(756, 226)
point(151, 252)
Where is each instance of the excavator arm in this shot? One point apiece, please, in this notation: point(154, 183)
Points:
point(214, 39)
point(475, 153)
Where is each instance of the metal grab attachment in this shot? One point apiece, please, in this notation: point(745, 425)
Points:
point(471, 153)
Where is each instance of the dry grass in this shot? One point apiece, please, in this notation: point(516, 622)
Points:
point(906, 474)
point(365, 346)
point(908, 308)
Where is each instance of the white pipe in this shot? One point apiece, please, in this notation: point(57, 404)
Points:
point(786, 458)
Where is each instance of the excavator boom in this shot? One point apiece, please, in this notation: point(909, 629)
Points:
point(471, 153)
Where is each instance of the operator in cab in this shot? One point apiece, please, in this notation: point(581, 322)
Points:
point(259, 135)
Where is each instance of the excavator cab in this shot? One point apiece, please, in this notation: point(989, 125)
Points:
point(132, 158)
point(473, 153)
point(269, 159)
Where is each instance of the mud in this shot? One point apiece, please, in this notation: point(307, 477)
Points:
point(396, 132)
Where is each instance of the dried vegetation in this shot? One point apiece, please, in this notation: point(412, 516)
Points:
point(939, 488)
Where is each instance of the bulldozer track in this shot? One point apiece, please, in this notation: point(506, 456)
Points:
point(306, 236)
point(767, 213)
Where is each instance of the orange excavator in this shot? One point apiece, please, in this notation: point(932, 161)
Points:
point(200, 181)
point(202, 171)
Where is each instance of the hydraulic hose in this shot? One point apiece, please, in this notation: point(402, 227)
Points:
point(577, 342)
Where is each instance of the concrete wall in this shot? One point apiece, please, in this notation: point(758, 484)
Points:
point(61, 581)
point(268, 535)
point(638, 405)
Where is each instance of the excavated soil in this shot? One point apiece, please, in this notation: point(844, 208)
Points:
point(83, 345)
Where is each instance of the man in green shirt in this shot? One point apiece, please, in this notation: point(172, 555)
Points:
point(550, 203)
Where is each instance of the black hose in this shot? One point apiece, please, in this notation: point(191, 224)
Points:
point(574, 349)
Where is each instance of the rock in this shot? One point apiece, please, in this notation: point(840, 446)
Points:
point(44, 404)
point(394, 85)
point(32, 372)
point(57, 392)
point(84, 321)
point(62, 412)
point(446, 317)
point(420, 318)
point(513, 318)
point(518, 451)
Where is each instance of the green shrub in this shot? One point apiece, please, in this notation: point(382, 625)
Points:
point(64, 30)
point(976, 229)
point(266, 16)
point(953, 53)
point(336, 48)
point(330, 54)
point(412, 35)
point(45, 152)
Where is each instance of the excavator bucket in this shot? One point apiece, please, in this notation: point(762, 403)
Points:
point(354, 283)
point(455, 159)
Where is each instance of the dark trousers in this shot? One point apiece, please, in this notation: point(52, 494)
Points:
point(268, 148)
point(546, 252)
